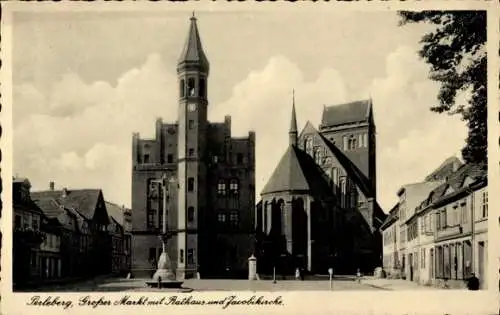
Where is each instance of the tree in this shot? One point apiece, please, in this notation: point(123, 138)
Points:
point(456, 52)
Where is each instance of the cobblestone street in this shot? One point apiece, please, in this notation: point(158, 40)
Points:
point(138, 285)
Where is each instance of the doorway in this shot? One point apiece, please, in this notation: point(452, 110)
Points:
point(480, 263)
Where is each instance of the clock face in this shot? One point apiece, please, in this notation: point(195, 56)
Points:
point(191, 107)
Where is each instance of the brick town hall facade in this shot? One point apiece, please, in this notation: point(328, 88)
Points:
point(211, 201)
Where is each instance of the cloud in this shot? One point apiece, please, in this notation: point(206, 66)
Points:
point(90, 144)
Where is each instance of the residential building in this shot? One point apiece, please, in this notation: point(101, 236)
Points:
point(455, 216)
point(319, 207)
point(85, 242)
point(211, 183)
point(390, 238)
point(120, 229)
point(27, 234)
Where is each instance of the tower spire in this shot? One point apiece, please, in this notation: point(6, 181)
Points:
point(192, 54)
point(293, 134)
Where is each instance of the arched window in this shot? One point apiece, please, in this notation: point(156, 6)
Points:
point(309, 145)
point(361, 144)
point(335, 176)
point(191, 87)
point(190, 184)
point(342, 192)
point(182, 88)
point(202, 88)
point(365, 140)
point(346, 143)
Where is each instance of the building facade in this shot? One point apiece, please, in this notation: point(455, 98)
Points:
point(319, 207)
point(445, 237)
point(120, 228)
point(211, 191)
point(390, 259)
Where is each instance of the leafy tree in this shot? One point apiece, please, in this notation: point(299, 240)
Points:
point(455, 50)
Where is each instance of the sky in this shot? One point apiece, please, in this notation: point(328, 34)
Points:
point(84, 82)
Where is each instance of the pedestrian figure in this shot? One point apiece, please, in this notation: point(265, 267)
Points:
point(301, 274)
point(445, 283)
point(297, 274)
point(358, 275)
point(473, 283)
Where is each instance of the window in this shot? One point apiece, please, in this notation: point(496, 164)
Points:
point(233, 218)
point(463, 208)
point(190, 254)
point(191, 124)
point(309, 145)
point(365, 140)
point(221, 187)
point(182, 88)
point(335, 176)
point(485, 204)
point(221, 217)
point(233, 186)
point(36, 223)
point(152, 254)
point(342, 192)
point(146, 158)
point(190, 214)
point(18, 221)
point(191, 87)
point(202, 87)
point(360, 137)
point(190, 152)
point(190, 184)
point(181, 256)
point(239, 158)
point(344, 138)
point(170, 158)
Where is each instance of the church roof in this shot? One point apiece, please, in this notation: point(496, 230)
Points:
point(193, 53)
point(346, 113)
point(296, 171)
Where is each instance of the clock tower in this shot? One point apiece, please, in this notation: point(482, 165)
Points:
point(192, 71)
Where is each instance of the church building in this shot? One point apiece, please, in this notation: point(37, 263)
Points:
point(319, 209)
point(211, 183)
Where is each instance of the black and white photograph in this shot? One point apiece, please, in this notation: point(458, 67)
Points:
point(199, 149)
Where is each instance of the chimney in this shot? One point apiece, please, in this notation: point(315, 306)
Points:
point(64, 192)
point(51, 186)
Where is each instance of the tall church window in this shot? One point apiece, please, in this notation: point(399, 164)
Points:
point(360, 143)
point(182, 88)
point(181, 256)
point(190, 214)
point(342, 192)
point(351, 143)
point(202, 88)
point(354, 195)
point(317, 155)
point(346, 143)
point(233, 186)
point(309, 145)
point(221, 187)
point(365, 140)
point(190, 184)
point(191, 87)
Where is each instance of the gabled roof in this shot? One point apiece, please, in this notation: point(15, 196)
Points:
point(116, 212)
point(358, 111)
point(296, 171)
point(352, 170)
point(391, 218)
point(476, 172)
point(193, 53)
point(82, 200)
point(449, 166)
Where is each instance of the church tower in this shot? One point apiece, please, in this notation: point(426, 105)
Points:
point(192, 71)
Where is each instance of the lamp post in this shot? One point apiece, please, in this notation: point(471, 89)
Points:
point(164, 275)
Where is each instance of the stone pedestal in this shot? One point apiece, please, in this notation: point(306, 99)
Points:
point(252, 268)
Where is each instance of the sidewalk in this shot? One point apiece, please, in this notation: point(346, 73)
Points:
point(395, 284)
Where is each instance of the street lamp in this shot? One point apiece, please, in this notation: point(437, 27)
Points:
point(164, 275)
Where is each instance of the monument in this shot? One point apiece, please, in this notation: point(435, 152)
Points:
point(164, 277)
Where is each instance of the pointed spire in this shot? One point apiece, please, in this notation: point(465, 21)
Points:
point(293, 123)
point(192, 53)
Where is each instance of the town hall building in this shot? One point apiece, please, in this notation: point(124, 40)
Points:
point(319, 210)
point(211, 183)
